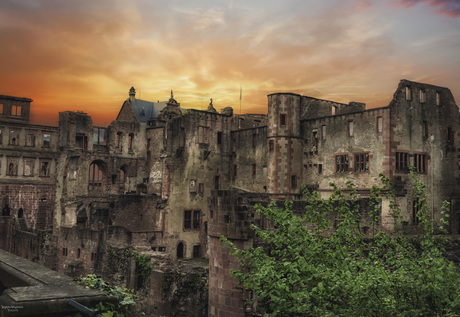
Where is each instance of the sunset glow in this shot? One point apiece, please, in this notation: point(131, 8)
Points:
point(85, 55)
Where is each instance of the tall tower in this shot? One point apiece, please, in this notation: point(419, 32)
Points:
point(284, 147)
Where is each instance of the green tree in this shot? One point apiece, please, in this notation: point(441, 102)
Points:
point(305, 269)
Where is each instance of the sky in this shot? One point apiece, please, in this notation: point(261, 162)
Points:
point(85, 55)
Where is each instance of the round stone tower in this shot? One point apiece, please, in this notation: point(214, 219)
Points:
point(284, 144)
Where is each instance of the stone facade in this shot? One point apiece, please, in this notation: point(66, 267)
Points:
point(156, 180)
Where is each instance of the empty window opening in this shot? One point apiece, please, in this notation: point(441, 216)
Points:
point(235, 170)
point(422, 96)
point(320, 168)
point(16, 111)
point(78, 253)
point(201, 188)
point(99, 136)
point(271, 146)
point(219, 138)
point(130, 141)
point(323, 132)
point(45, 169)
point(438, 99)
point(30, 140)
point(408, 93)
point(253, 169)
point(96, 176)
point(118, 139)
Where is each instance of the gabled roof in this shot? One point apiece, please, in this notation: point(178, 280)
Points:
point(146, 110)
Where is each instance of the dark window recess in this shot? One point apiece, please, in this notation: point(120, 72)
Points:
point(235, 170)
point(187, 219)
point(450, 135)
point(216, 182)
point(420, 163)
point(282, 119)
point(254, 169)
point(161, 249)
point(219, 138)
point(293, 181)
point(271, 145)
point(196, 251)
point(402, 162)
point(362, 162)
point(196, 219)
point(320, 168)
point(341, 163)
point(201, 188)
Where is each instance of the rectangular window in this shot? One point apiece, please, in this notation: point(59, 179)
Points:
point(293, 181)
point(118, 140)
point(282, 119)
point(16, 111)
point(14, 137)
point(361, 162)
point(130, 141)
point(44, 168)
point(422, 96)
point(320, 168)
point(235, 170)
point(46, 140)
point(78, 253)
point(402, 163)
point(12, 166)
point(201, 188)
point(203, 135)
point(219, 138)
point(1, 108)
point(438, 99)
point(253, 169)
point(341, 163)
point(196, 251)
point(1, 136)
point(182, 137)
point(379, 124)
point(216, 182)
point(81, 141)
point(350, 128)
point(420, 163)
point(187, 219)
point(323, 132)
point(93, 256)
point(408, 93)
point(99, 136)
point(425, 129)
point(64, 251)
point(271, 145)
point(196, 219)
point(254, 138)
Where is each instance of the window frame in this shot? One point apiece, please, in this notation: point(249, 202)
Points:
point(361, 162)
point(402, 161)
point(342, 163)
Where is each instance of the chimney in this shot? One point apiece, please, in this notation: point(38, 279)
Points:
point(132, 95)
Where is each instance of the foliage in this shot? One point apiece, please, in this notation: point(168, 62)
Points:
point(143, 265)
point(125, 297)
point(309, 270)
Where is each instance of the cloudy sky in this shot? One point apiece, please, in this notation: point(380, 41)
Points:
point(85, 55)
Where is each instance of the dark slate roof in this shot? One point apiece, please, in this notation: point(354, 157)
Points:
point(147, 110)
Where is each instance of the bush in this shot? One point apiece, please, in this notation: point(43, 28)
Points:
point(313, 271)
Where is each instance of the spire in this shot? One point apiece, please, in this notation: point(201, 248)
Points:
point(132, 95)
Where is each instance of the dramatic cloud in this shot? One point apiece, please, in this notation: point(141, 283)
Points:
point(447, 7)
point(85, 55)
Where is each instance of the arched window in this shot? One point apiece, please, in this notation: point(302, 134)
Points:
point(96, 176)
point(180, 250)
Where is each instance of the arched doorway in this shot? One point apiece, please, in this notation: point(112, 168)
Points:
point(180, 250)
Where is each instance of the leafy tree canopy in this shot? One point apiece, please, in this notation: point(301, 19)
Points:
point(309, 270)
